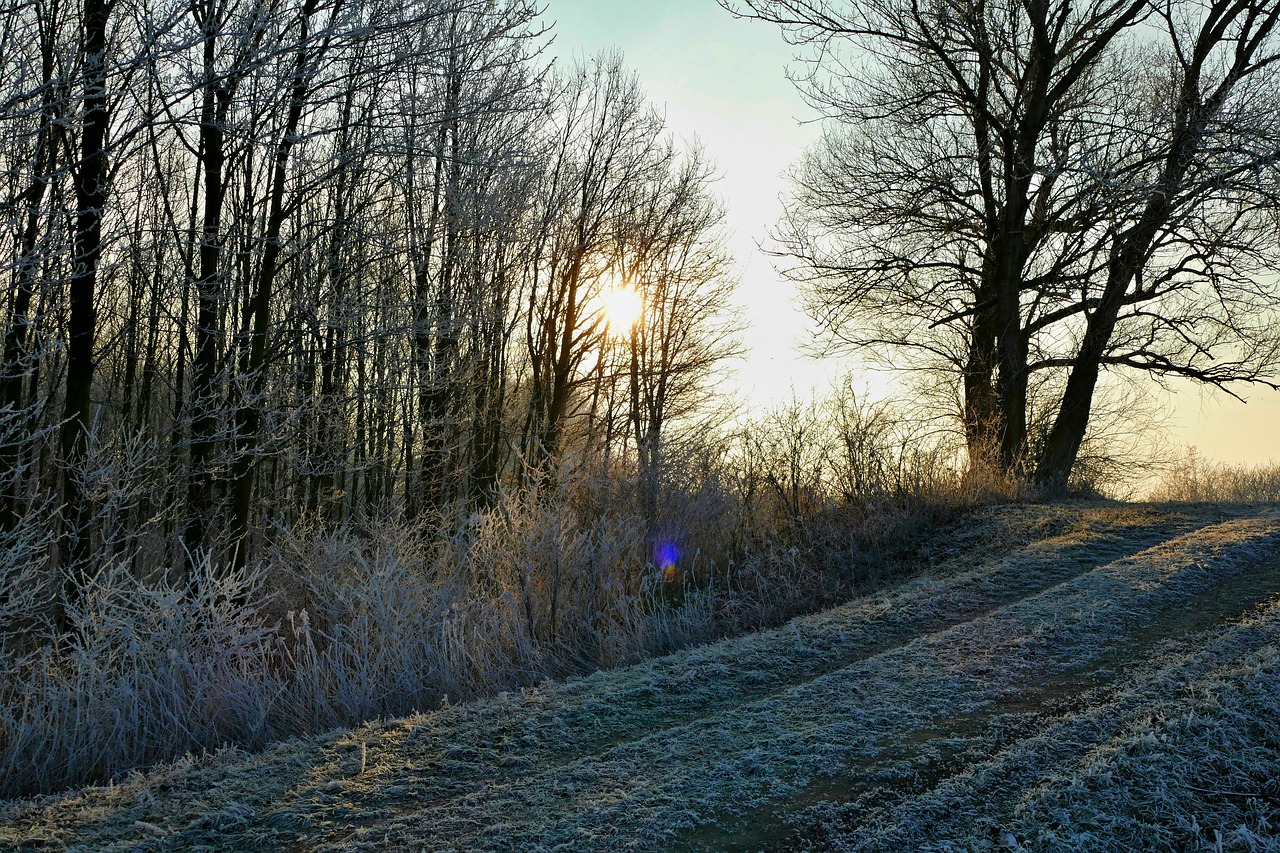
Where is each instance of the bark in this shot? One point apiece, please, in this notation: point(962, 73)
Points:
point(90, 180)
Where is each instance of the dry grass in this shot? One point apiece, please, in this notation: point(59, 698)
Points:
point(632, 758)
point(1194, 478)
point(147, 672)
point(333, 628)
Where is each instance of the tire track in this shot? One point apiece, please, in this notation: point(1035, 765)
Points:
point(766, 750)
point(1131, 668)
point(508, 744)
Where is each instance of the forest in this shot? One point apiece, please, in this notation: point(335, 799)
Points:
point(359, 357)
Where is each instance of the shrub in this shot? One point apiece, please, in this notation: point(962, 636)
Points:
point(336, 626)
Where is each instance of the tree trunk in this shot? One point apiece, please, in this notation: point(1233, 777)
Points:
point(248, 419)
point(90, 180)
point(25, 279)
point(214, 111)
point(1128, 256)
point(1072, 421)
point(981, 405)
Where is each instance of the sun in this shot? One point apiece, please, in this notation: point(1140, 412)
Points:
point(622, 306)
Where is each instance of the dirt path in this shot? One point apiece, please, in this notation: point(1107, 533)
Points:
point(951, 712)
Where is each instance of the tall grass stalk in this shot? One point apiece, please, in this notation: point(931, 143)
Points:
point(1194, 478)
point(332, 627)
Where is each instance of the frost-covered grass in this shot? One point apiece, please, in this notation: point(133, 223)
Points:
point(1194, 478)
point(336, 627)
point(1181, 754)
point(673, 751)
point(1200, 770)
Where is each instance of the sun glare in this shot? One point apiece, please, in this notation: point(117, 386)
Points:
point(622, 306)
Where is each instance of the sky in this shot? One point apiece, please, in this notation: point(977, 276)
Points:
point(723, 81)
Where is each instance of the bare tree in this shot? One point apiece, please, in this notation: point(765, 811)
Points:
point(222, 70)
point(673, 255)
point(1190, 240)
point(983, 160)
point(268, 263)
point(89, 179)
point(470, 121)
point(607, 140)
point(34, 101)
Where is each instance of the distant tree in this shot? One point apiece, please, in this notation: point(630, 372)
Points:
point(89, 181)
point(222, 69)
point(472, 119)
point(673, 256)
point(270, 263)
point(607, 140)
point(34, 87)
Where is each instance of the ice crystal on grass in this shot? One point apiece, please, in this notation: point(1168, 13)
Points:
point(950, 713)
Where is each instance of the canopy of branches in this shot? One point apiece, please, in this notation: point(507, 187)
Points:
point(1018, 195)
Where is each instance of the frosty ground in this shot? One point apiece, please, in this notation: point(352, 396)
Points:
point(1084, 676)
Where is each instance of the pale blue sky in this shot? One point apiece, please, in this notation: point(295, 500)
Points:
point(724, 81)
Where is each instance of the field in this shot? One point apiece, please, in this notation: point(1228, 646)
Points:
point(1071, 677)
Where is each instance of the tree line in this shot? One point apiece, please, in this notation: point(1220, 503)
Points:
point(341, 260)
point(330, 260)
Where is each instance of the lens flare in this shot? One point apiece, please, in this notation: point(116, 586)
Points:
point(665, 556)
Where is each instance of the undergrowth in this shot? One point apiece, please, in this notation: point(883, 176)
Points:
point(332, 627)
point(1194, 478)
